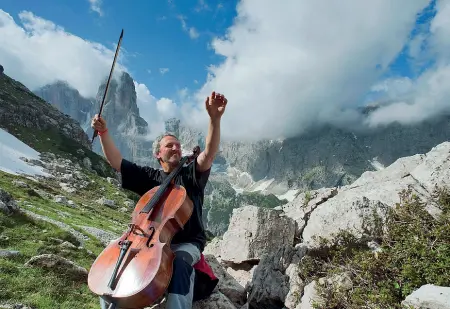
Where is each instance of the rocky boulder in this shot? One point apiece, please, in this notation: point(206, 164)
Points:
point(429, 297)
point(60, 265)
point(276, 277)
point(7, 204)
point(323, 213)
point(254, 231)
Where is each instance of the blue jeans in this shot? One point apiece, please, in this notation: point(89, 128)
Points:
point(181, 288)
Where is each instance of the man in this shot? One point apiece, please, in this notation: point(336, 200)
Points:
point(190, 241)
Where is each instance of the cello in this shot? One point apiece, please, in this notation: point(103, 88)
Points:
point(134, 271)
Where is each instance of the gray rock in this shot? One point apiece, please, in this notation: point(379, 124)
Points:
point(434, 169)
point(348, 211)
point(8, 253)
point(106, 202)
point(87, 163)
point(61, 199)
point(15, 306)
point(271, 284)
point(79, 236)
point(125, 123)
point(20, 184)
point(310, 297)
point(58, 264)
point(7, 204)
point(217, 300)
point(374, 192)
point(227, 285)
point(255, 231)
point(105, 237)
point(304, 204)
point(113, 181)
point(129, 204)
point(429, 297)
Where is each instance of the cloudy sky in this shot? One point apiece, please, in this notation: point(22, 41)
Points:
point(283, 65)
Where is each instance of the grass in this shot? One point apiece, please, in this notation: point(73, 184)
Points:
point(51, 289)
point(35, 286)
point(86, 212)
point(415, 251)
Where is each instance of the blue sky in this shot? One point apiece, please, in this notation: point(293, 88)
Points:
point(284, 66)
point(154, 34)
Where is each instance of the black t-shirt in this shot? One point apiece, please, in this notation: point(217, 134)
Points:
point(140, 179)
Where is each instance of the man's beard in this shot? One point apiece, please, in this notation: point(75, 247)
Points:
point(172, 159)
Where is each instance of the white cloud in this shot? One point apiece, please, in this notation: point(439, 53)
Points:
point(41, 52)
point(440, 30)
point(428, 96)
point(286, 67)
point(167, 108)
point(154, 111)
point(302, 63)
point(193, 33)
point(163, 70)
point(96, 6)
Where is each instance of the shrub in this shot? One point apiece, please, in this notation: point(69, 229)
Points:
point(415, 250)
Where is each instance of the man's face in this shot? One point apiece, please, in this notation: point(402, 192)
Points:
point(169, 150)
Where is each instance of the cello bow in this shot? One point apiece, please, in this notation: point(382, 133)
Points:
point(107, 83)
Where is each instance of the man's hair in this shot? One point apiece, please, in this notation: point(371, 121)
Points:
point(156, 146)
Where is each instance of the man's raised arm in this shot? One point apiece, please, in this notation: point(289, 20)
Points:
point(215, 106)
point(110, 150)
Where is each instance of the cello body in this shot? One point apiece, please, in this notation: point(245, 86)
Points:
point(135, 270)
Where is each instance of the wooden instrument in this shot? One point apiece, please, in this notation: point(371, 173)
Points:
point(135, 270)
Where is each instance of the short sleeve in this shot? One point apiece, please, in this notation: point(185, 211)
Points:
point(200, 178)
point(138, 179)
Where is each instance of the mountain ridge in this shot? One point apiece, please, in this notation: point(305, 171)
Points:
point(327, 155)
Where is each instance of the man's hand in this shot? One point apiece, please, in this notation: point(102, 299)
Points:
point(98, 123)
point(215, 105)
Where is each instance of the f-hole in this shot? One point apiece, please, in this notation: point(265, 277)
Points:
point(152, 229)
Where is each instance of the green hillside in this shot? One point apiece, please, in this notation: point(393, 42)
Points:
point(72, 223)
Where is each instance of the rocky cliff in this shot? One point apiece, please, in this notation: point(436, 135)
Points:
point(188, 136)
point(330, 156)
point(68, 101)
point(127, 127)
point(23, 112)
